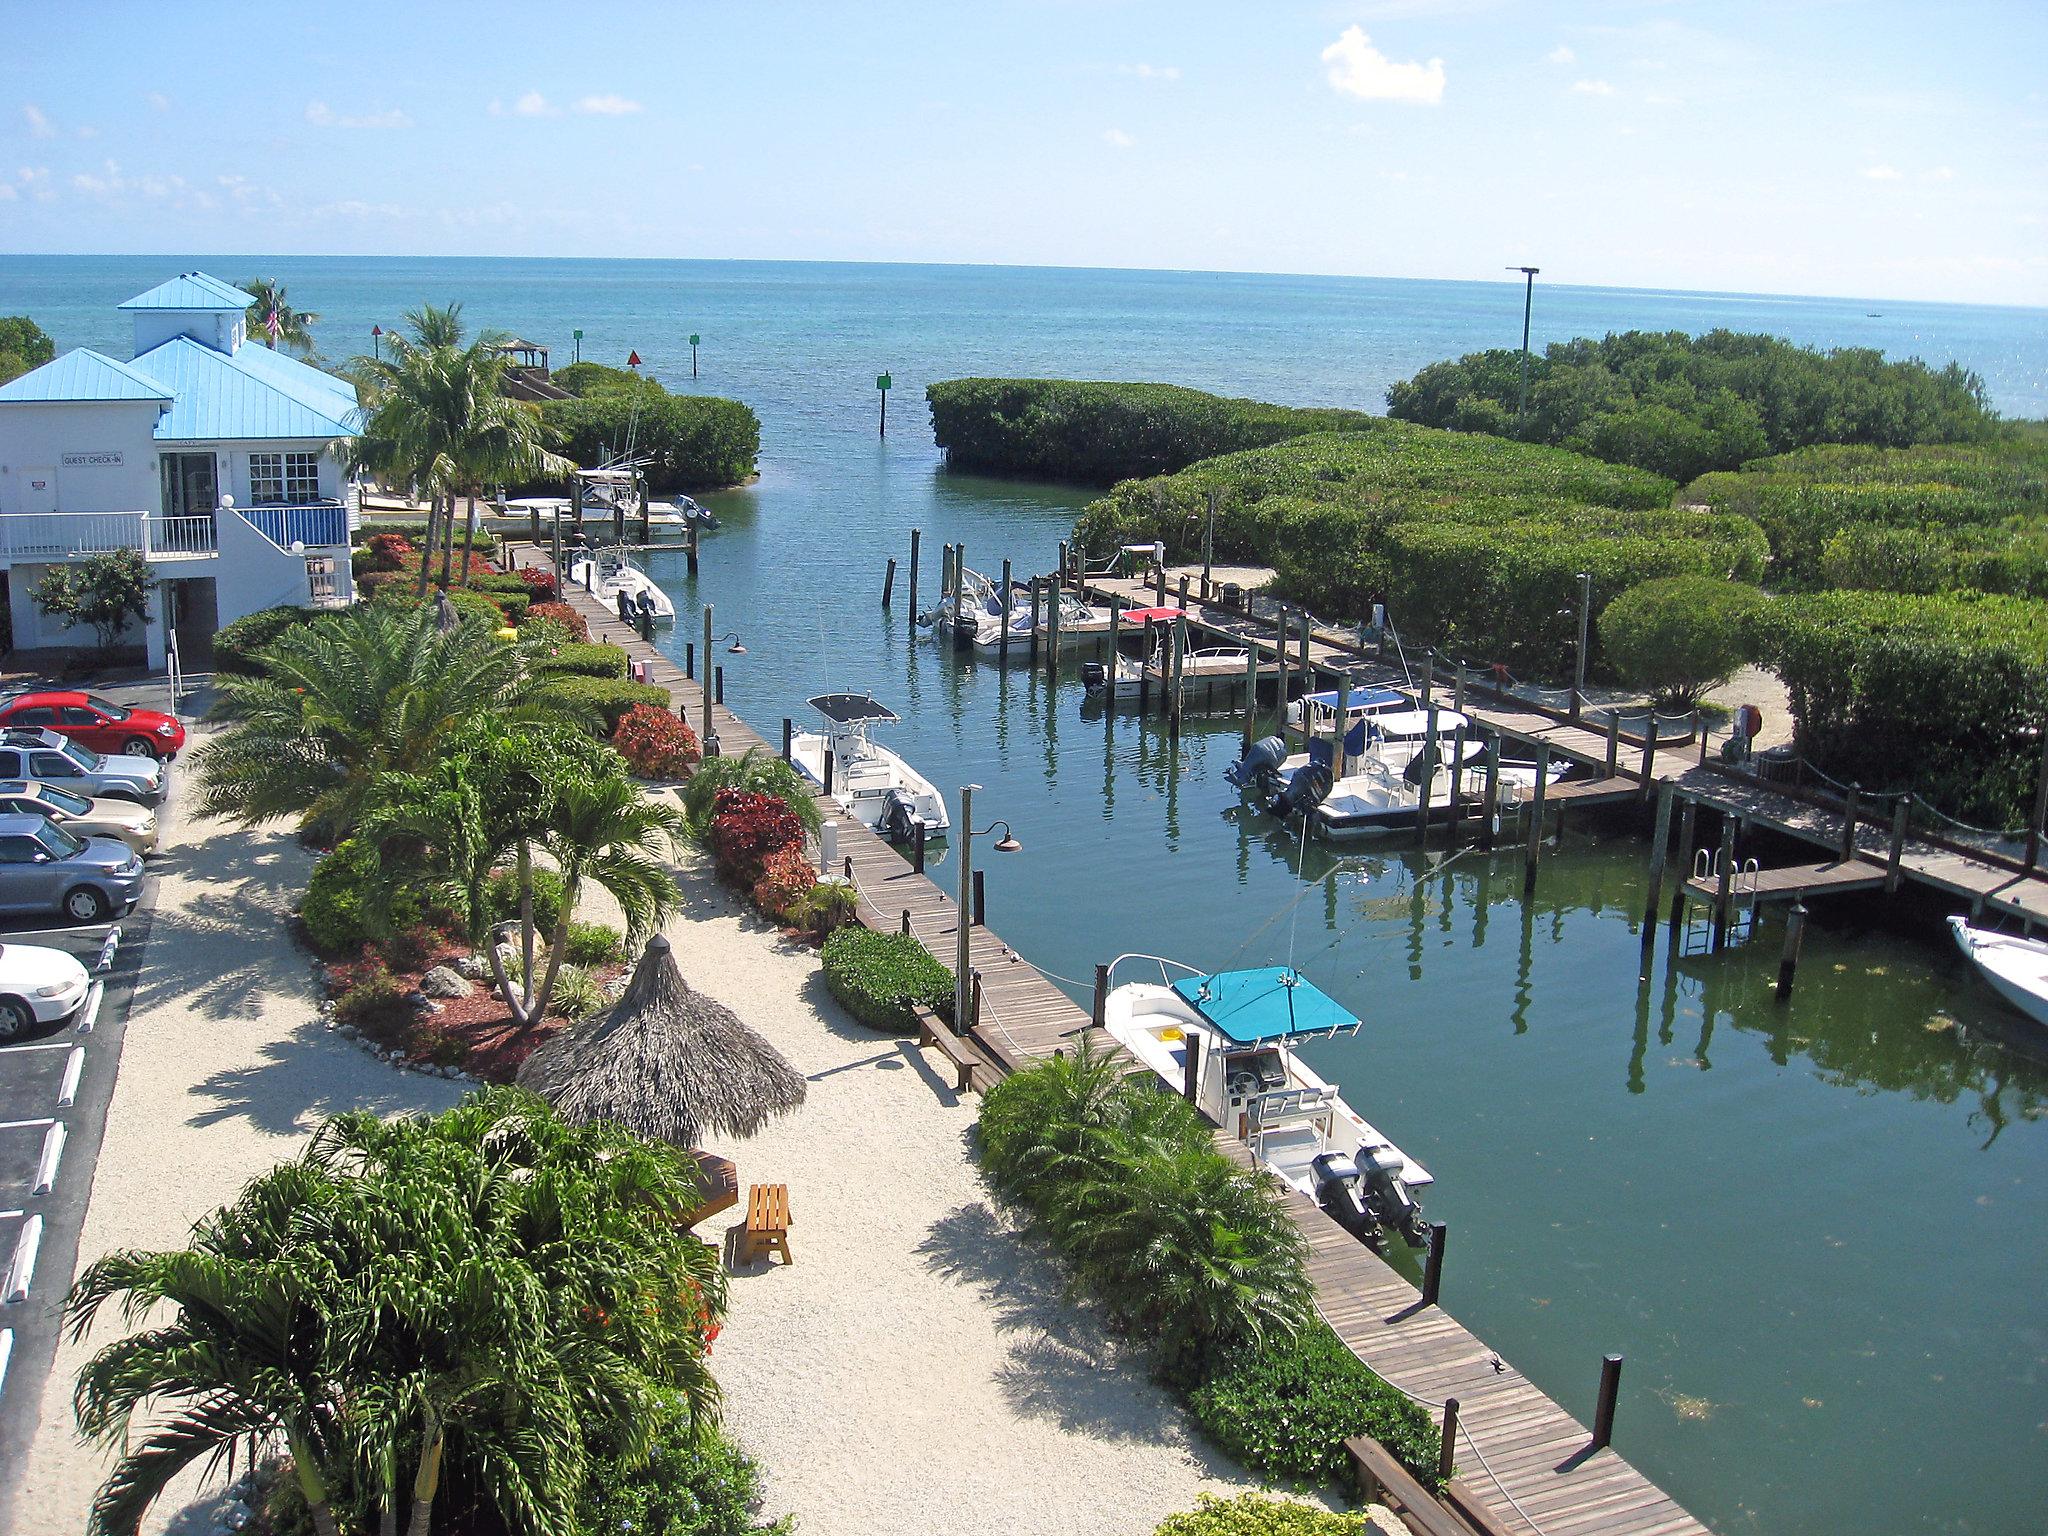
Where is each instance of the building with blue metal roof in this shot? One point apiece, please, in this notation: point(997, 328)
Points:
point(219, 459)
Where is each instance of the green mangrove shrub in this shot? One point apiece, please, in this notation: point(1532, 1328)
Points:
point(1679, 637)
point(609, 697)
point(584, 659)
point(880, 978)
point(690, 442)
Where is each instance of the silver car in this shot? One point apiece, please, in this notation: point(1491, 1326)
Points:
point(57, 759)
point(43, 868)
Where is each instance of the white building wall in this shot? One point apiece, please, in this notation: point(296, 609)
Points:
point(222, 330)
point(234, 464)
point(113, 456)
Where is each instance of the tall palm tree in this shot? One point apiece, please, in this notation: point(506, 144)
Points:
point(272, 317)
point(354, 696)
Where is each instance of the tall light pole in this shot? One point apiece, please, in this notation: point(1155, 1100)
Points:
point(1585, 624)
point(963, 920)
point(1528, 302)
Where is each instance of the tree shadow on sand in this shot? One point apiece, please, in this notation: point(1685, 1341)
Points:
point(309, 1075)
point(1061, 1365)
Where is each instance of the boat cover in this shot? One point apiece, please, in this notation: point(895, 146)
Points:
point(1362, 699)
point(1152, 615)
point(1274, 1002)
point(852, 709)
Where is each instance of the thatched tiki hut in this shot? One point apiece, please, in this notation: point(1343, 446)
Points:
point(666, 1062)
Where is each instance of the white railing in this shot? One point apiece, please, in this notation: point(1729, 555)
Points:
point(71, 535)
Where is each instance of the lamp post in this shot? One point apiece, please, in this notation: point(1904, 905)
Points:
point(963, 972)
point(1585, 624)
point(377, 341)
point(1528, 301)
point(708, 737)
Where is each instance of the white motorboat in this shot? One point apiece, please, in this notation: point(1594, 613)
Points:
point(978, 614)
point(871, 783)
point(611, 575)
point(1227, 1042)
point(1132, 675)
point(526, 509)
point(692, 511)
point(2013, 967)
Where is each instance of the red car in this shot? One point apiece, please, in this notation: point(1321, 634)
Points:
point(95, 722)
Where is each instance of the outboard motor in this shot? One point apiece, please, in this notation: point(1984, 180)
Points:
point(1095, 678)
point(1339, 1190)
point(1261, 761)
point(1389, 1199)
point(1306, 790)
point(899, 817)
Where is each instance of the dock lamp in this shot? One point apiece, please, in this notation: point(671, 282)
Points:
point(963, 922)
point(735, 648)
point(1528, 300)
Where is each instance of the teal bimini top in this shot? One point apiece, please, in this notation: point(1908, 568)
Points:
point(1274, 1002)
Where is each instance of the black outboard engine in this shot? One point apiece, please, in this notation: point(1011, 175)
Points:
point(1389, 1199)
point(1307, 789)
point(1095, 678)
point(1260, 765)
point(899, 817)
point(1339, 1190)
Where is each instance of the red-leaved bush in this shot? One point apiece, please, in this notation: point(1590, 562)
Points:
point(388, 550)
point(746, 829)
point(654, 743)
point(786, 878)
point(561, 613)
point(545, 588)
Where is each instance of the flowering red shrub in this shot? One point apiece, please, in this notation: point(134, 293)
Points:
point(654, 743)
point(388, 551)
point(746, 829)
point(545, 588)
point(786, 878)
point(562, 614)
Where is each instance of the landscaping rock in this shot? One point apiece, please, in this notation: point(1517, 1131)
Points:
point(474, 967)
point(445, 981)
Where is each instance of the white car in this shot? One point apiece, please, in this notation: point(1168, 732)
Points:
point(38, 986)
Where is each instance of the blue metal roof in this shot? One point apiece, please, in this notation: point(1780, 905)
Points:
point(1270, 1003)
point(191, 291)
point(216, 397)
point(83, 375)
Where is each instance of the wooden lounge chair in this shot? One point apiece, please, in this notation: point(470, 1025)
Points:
point(767, 1228)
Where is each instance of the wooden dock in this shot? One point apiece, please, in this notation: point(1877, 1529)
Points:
point(1523, 1457)
point(1790, 882)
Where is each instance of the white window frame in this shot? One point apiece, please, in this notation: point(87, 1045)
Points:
point(284, 479)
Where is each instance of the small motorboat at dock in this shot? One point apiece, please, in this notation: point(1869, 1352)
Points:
point(610, 574)
point(1228, 1042)
point(871, 783)
point(2015, 968)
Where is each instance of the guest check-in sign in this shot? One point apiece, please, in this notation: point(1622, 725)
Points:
point(91, 460)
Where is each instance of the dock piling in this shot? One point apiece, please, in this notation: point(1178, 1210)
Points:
point(1894, 874)
point(690, 555)
point(905, 926)
point(1788, 962)
point(1849, 814)
point(829, 767)
point(1724, 881)
point(1428, 780)
point(1031, 645)
point(1535, 850)
point(690, 660)
point(888, 583)
point(1183, 591)
point(1660, 840)
point(1177, 640)
point(1447, 1451)
point(1603, 1410)
point(980, 902)
point(1338, 754)
point(707, 736)
point(718, 683)
point(1251, 693)
point(917, 846)
point(1457, 808)
point(786, 731)
point(1688, 819)
point(1614, 740)
point(1433, 1265)
point(1100, 1012)
point(916, 536)
point(1489, 811)
point(1003, 602)
point(1649, 751)
point(1191, 1069)
point(1116, 620)
point(1052, 626)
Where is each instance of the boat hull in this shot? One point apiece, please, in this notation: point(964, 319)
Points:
point(863, 775)
point(2015, 968)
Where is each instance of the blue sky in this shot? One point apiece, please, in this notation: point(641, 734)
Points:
point(1801, 146)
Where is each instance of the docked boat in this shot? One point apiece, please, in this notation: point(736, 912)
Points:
point(1228, 1042)
point(1319, 710)
point(871, 783)
point(2013, 967)
point(979, 613)
point(692, 511)
point(1130, 675)
point(610, 574)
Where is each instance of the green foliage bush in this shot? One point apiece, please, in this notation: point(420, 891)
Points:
point(577, 993)
point(601, 378)
point(593, 944)
point(611, 697)
point(235, 645)
point(23, 346)
point(582, 659)
point(1262, 1514)
point(754, 771)
point(501, 897)
point(1097, 434)
point(1679, 637)
point(1939, 694)
point(341, 908)
point(1682, 405)
point(691, 442)
point(880, 977)
point(693, 1484)
point(1286, 1408)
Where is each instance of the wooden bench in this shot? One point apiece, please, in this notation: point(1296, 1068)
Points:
point(767, 1229)
point(957, 1049)
point(1382, 1479)
point(719, 1182)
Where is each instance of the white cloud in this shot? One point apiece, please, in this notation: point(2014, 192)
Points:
point(1561, 54)
point(608, 106)
point(39, 124)
point(1356, 68)
point(321, 115)
point(532, 104)
point(1880, 173)
point(158, 101)
point(1116, 138)
point(1939, 173)
point(88, 132)
point(35, 181)
point(1592, 88)
point(1150, 71)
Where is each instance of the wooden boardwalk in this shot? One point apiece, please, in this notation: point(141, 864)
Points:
point(1537, 1475)
point(1979, 879)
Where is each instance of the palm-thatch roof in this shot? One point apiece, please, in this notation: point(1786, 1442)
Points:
point(666, 1062)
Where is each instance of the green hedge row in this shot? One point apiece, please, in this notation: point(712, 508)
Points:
point(583, 659)
point(611, 697)
point(235, 645)
point(880, 978)
point(1942, 694)
point(1098, 434)
point(690, 442)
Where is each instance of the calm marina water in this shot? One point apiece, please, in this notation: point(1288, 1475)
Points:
point(1816, 1230)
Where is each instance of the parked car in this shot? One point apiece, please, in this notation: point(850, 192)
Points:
point(43, 868)
point(38, 986)
point(133, 824)
point(99, 723)
point(49, 757)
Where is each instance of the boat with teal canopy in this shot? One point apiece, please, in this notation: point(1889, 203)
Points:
point(1271, 1002)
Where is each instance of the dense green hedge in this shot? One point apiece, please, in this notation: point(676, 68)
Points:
point(1097, 434)
point(691, 442)
point(1682, 405)
point(235, 645)
point(602, 379)
point(1263, 1514)
point(583, 659)
point(880, 977)
point(609, 696)
point(1939, 694)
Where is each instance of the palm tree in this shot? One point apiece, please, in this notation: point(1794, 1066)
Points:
point(355, 696)
point(600, 829)
point(274, 319)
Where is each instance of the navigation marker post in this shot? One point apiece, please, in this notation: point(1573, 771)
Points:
point(579, 344)
point(882, 383)
point(694, 339)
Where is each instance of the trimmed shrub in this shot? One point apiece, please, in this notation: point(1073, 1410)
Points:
point(880, 977)
point(689, 1484)
point(592, 945)
point(1679, 637)
point(1262, 1514)
point(747, 829)
point(501, 897)
point(541, 583)
point(1285, 1410)
point(339, 907)
point(235, 645)
point(585, 379)
point(582, 659)
point(564, 615)
point(756, 771)
point(786, 879)
point(1098, 434)
point(611, 697)
point(655, 744)
point(372, 999)
point(690, 442)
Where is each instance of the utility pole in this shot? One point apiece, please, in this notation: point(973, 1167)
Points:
point(1528, 301)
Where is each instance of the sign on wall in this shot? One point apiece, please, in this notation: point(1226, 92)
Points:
point(93, 460)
